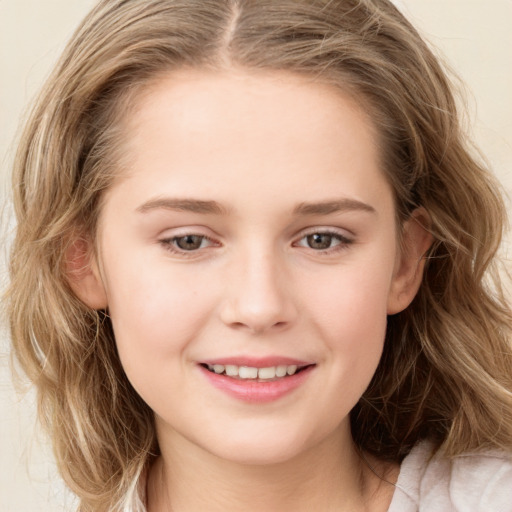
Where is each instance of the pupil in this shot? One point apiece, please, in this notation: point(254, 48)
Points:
point(319, 241)
point(189, 242)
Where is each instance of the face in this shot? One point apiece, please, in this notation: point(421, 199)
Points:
point(248, 259)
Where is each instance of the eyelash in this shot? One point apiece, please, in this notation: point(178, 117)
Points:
point(343, 241)
point(170, 244)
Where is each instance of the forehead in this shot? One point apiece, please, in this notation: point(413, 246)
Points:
point(268, 98)
point(195, 130)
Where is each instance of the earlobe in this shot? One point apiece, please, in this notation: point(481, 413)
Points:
point(83, 275)
point(408, 274)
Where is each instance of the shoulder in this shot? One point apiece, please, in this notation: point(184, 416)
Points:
point(476, 482)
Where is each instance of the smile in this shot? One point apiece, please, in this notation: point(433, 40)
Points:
point(261, 383)
point(253, 373)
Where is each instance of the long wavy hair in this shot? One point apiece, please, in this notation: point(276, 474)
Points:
point(446, 370)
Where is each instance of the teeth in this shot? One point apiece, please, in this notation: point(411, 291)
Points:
point(290, 370)
point(281, 371)
point(248, 372)
point(231, 370)
point(267, 373)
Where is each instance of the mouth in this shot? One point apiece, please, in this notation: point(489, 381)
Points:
point(257, 380)
point(255, 374)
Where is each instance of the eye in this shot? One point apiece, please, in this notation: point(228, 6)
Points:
point(324, 241)
point(187, 243)
point(321, 241)
point(190, 242)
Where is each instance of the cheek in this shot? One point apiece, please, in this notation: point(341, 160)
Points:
point(154, 326)
point(151, 312)
point(355, 299)
point(351, 313)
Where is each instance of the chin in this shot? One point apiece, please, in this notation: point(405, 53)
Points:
point(261, 447)
point(254, 454)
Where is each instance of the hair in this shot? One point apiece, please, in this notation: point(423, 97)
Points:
point(446, 369)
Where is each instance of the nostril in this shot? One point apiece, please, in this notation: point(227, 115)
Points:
point(256, 327)
point(256, 313)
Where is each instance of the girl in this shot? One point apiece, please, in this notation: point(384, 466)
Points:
point(255, 266)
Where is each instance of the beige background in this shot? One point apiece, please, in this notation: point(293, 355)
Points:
point(475, 36)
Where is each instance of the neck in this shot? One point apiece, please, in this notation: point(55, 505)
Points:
point(328, 477)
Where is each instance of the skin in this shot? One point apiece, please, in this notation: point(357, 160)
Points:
point(260, 146)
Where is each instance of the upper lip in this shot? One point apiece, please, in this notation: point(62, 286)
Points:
point(256, 362)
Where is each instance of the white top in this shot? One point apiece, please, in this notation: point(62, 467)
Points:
point(474, 482)
point(480, 482)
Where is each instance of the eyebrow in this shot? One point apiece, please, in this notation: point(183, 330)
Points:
point(212, 207)
point(334, 206)
point(187, 205)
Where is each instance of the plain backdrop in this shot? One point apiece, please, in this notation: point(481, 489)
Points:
point(474, 35)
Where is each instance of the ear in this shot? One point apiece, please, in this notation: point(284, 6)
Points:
point(83, 274)
point(408, 272)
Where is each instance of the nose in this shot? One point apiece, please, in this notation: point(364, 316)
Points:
point(258, 294)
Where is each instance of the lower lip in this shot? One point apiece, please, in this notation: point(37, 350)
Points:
point(254, 391)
